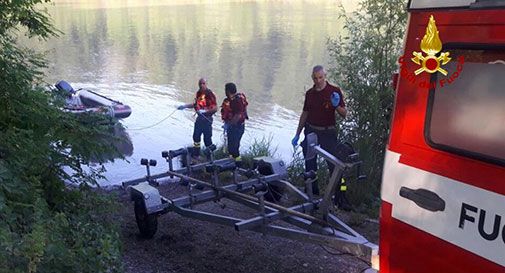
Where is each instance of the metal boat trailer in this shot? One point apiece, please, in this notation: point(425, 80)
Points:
point(313, 219)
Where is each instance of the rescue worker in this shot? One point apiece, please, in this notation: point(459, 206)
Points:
point(234, 114)
point(318, 116)
point(205, 106)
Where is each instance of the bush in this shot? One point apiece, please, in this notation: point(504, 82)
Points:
point(44, 226)
point(364, 60)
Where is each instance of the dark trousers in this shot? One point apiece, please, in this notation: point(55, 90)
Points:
point(234, 134)
point(203, 126)
point(327, 139)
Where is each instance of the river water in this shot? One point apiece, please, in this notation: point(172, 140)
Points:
point(150, 56)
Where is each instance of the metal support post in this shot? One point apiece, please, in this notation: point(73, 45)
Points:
point(148, 163)
point(261, 208)
point(338, 170)
point(330, 189)
point(191, 195)
point(308, 188)
point(170, 165)
point(187, 158)
point(235, 176)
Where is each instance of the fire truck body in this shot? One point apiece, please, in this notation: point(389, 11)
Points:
point(443, 189)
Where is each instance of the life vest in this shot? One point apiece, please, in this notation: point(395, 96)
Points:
point(226, 112)
point(204, 100)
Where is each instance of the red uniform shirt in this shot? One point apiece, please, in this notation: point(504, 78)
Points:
point(205, 99)
point(318, 105)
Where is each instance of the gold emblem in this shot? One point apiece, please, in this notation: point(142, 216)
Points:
point(431, 45)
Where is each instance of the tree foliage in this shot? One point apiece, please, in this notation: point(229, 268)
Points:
point(364, 59)
point(44, 226)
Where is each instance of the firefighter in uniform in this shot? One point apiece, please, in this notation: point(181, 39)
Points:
point(205, 106)
point(234, 114)
point(318, 116)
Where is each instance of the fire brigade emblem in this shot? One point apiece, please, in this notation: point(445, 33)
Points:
point(201, 102)
point(431, 45)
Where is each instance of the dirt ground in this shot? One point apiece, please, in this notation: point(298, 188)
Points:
point(187, 245)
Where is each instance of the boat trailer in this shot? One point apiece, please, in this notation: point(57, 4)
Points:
point(313, 219)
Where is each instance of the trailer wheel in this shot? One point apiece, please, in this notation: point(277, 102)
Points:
point(147, 223)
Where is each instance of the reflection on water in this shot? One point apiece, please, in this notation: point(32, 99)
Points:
point(150, 57)
point(120, 140)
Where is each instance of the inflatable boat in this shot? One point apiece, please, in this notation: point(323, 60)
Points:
point(83, 101)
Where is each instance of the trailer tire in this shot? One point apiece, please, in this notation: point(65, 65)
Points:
point(147, 223)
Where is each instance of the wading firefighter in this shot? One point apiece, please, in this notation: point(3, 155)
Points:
point(234, 114)
point(205, 106)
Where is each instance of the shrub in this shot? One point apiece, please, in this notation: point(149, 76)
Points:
point(45, 227)
point(363, 60)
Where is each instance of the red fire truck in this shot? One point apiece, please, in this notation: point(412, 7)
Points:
point(443, 188)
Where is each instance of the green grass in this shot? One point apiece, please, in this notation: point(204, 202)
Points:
point(259, 147)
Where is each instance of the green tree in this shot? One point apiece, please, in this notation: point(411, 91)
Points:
point(364, 59)
point(44, 226)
